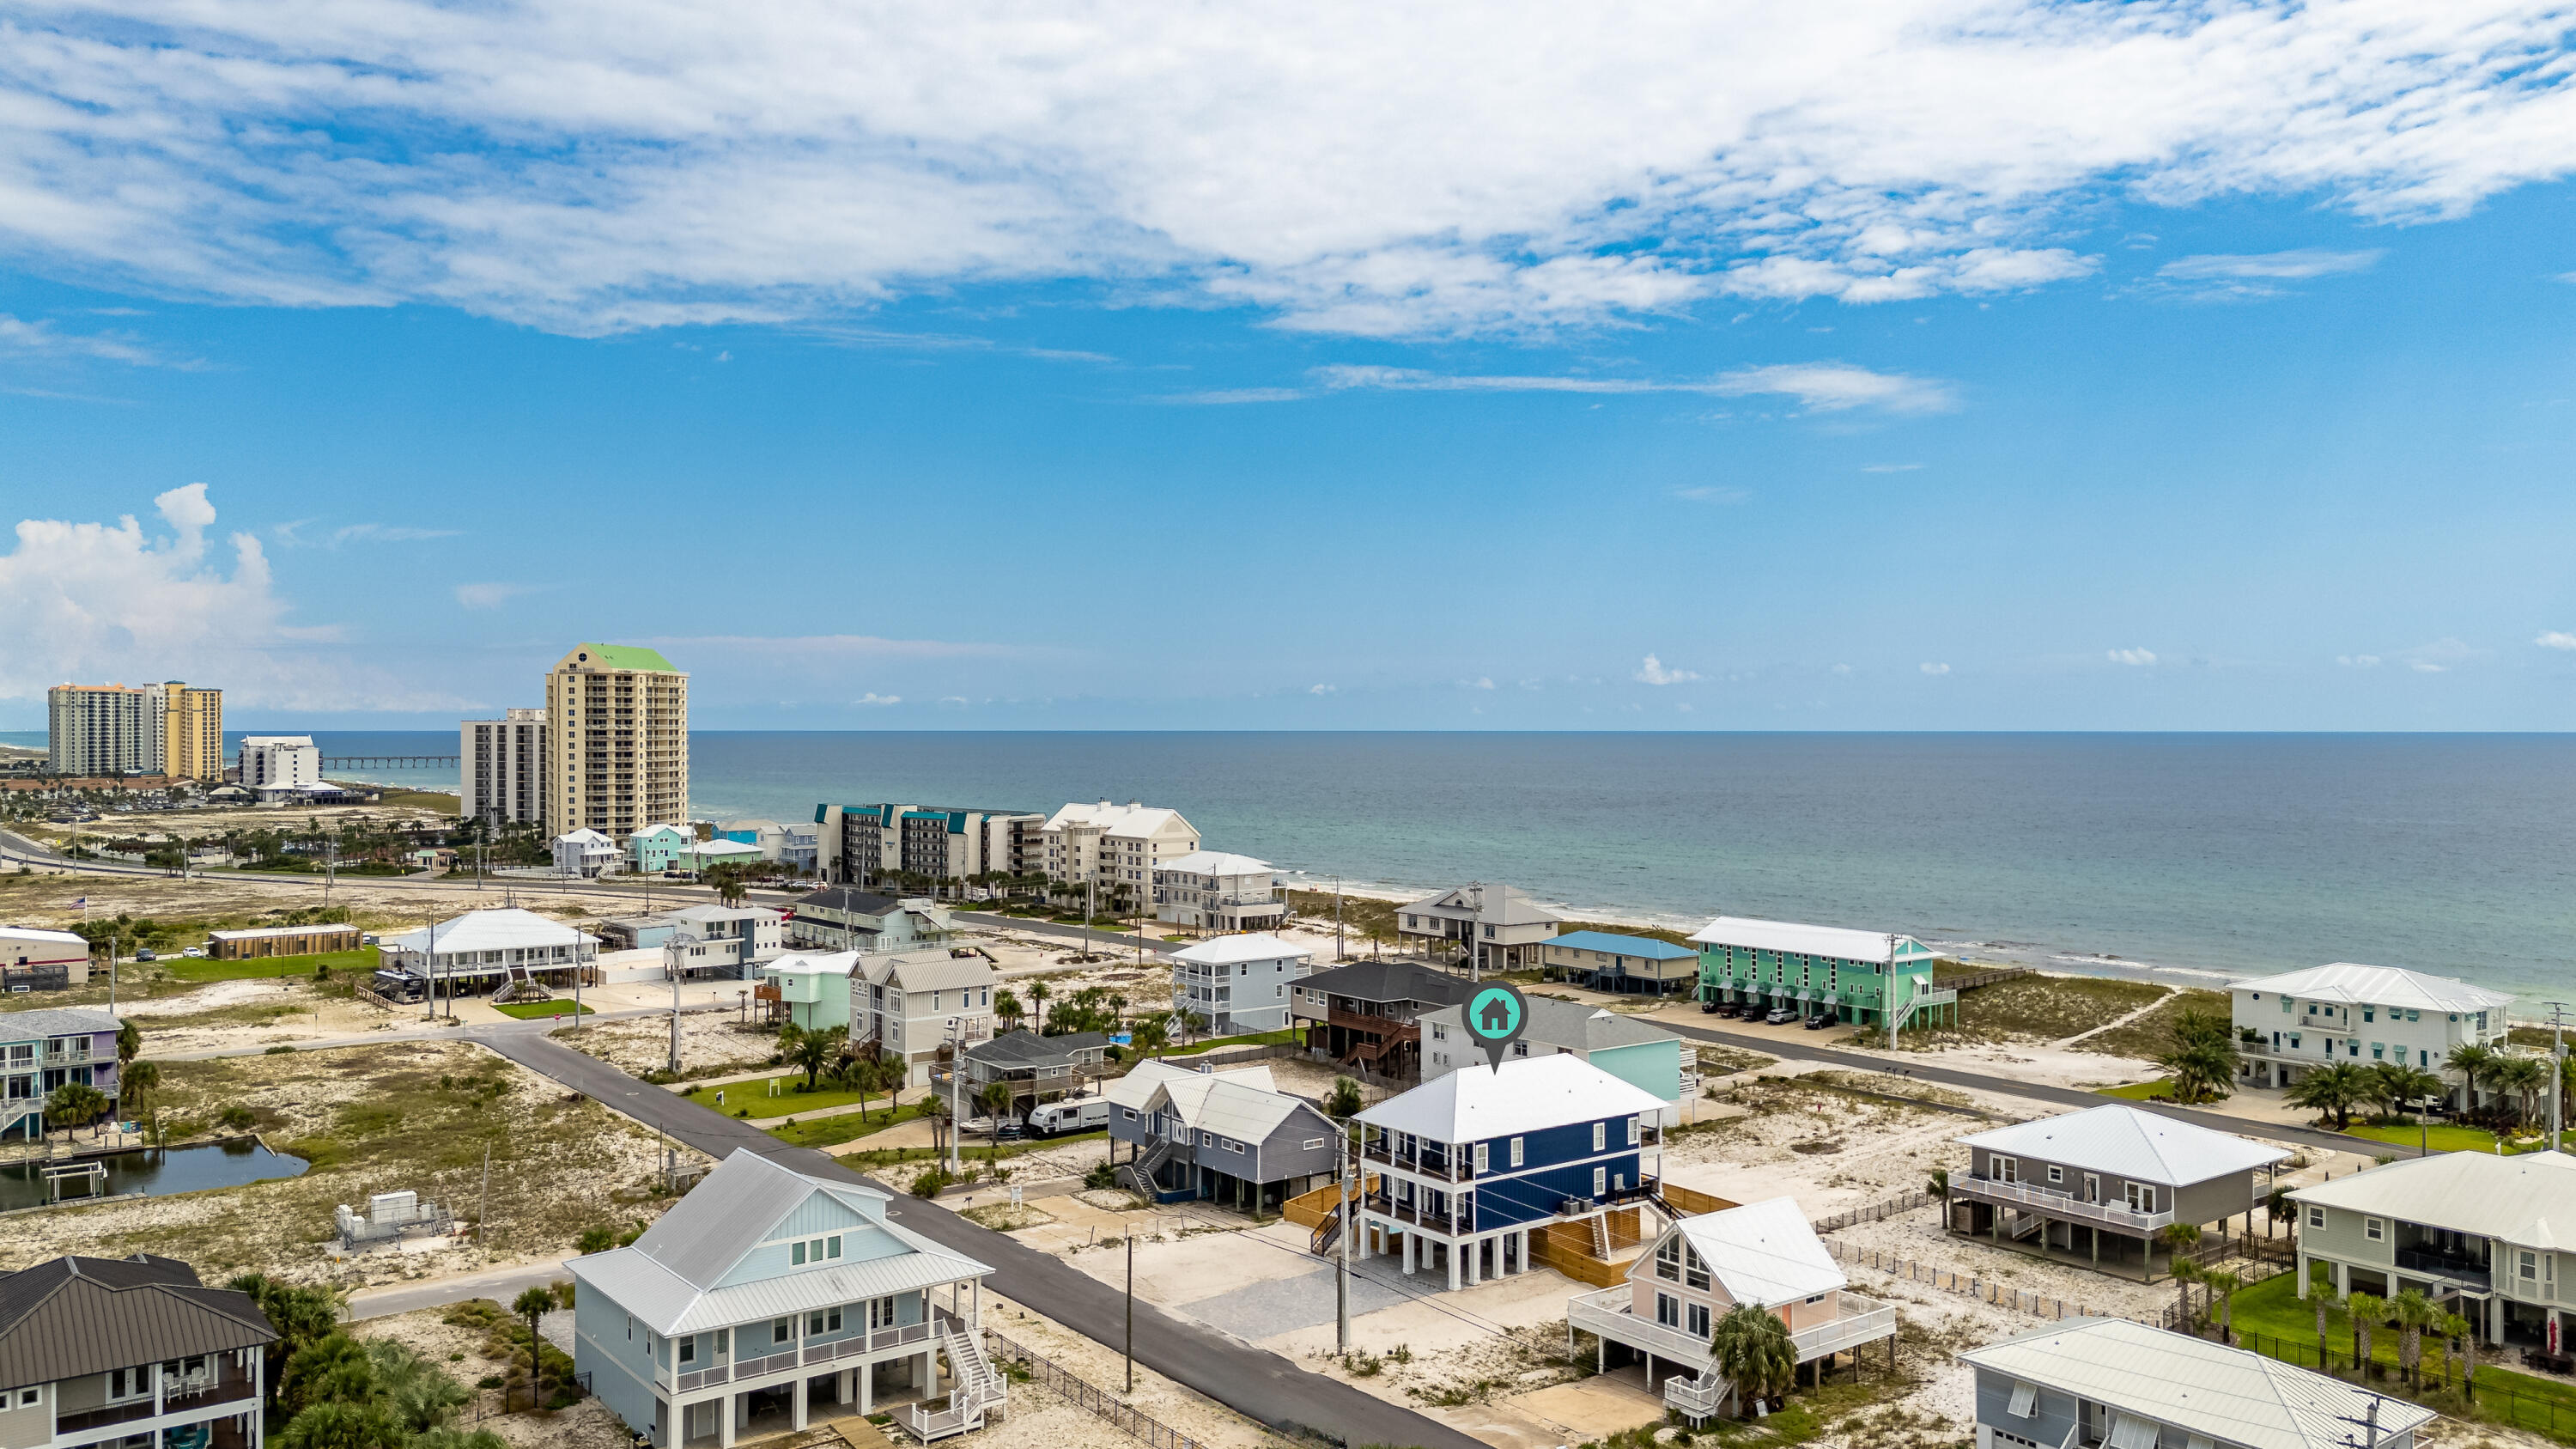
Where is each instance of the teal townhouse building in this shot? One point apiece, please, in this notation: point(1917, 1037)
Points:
point(1864, 978)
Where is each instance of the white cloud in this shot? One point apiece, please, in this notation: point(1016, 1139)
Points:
point(39, 339)
point(873, 699)
point(1936, 669)
point(2252, 277)
point(1229, 396)
point(1842, 669)
point(107, 602)
point(1654, 672)
point(490, 596)
point(1343, 376)
point(1890, 467)
point(2358, 661)
point(1321, 689)
point(953, 701)
point(1827, 387)
point(386, 533)
point(2140, 657)
point(822, 647)
point(1713, 494)
point(590, 166)
point(2556, 639)
point(1478, 683)
point(2441, 656)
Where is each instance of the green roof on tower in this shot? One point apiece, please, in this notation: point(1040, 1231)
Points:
point(629, 656)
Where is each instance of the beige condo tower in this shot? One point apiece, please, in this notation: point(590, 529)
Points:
point(192, 731)
point(617, 741)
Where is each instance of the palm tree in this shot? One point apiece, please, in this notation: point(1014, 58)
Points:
point(2203, 1057)
point(2332, 1089)
point(1753, 1350)
point(2222, 1287)
point(135, 1082)
point(2471, 1059)
point(532, 1304)
point(2454, 1326)
point(2401, 1086)
point(2177, 1237)
point(74, 1104)
point(2322, 1298)
point(2185, 1273)
point(1038, 994)
point(1006, 1005)
point(2367, 1311)
point(810, 1050)
point(2413, 1313)
point(995, 1099)
point(1345, 1102)
point(2525, 1077)
point(1152, 1033)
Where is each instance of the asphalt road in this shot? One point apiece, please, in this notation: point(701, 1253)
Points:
point(498, 1284)
point(1252, 1381)
point(2034, 1091)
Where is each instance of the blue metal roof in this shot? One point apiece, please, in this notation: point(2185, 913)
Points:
point(1646, 946)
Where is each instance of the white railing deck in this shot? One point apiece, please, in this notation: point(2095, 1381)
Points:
point(2062, 1204)
point(1697, 1398)
point(1608, 1314)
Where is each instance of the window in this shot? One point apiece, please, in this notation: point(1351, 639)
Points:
point(781, 1329)
point(1129, 1113)
point(1480, 1156)
point(1694, 1269)
point(1695, 1320)
point(2378, 1052)
point(720, 1341)
point(2374, 1228)
point(1600, 1135)
point(2056, 1173)
point(832, 1246)
point(796, 1254)
point(1516, 1152)
point(129, 1383)
point(1632, 1132)
point(2413, 1015)
point(2527, 1266)
point(1668, 1310)
point(1600, 1181)
point(826, 1321)
point(689, 1349)
point(2316, 1216)
point(2370, 1013)
point(1668, 1259)
point(27, 1397)
point(1311, 1144)
point(2025, 1400)
point(2141, 1196)
point(1520, 1048)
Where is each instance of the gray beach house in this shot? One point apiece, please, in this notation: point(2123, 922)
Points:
point(2100, 1185)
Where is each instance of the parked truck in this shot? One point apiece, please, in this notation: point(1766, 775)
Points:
point(1074, 1114)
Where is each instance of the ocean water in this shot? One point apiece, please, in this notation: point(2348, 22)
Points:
point(2206, 855)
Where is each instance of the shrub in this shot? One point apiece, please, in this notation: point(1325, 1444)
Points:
point(1102, 1174)
point(596, 1240)
point(235, 1118)
point(931, 1181)
point(278, 1051)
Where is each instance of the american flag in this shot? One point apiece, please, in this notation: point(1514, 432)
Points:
point(83, 903)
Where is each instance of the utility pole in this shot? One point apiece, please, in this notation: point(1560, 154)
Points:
point(483, 1214)
point(957, 1095)
point(2557, 1073)
point(429, 975)
point(1131, 1310)
point(671, 958)
point(1342, 1279)
point(1338, 952)
point(1475, 936)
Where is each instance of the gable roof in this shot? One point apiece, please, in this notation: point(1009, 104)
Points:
point(31, 933)
point(652, 832)
point(850, 899)
point(1215, 862)
point(76, 1316)
point(1498, 905)
point(2229, 1395)
point(1139, 1086)
point(1763, 1253)
point(586, 839)
point(1123, 820)
point(500, 929)
point(1245, 946)
point(2125, 1142)
point(1029, 1048)
point(2528, 1200)
point(1554, 1022)
point(1839, 942)
point(670, 1277)
point(812, 963)
point(1230, 1106)
point(1618, 945)
point(722, 913)
point(2355, 984)
point(1529, 1093)
point(1391, 981)
point(931, 970)
point(56, 1021)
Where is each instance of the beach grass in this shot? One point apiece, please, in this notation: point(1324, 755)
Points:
point(2037, 1008)
point(2272, 1310)
point(2140, 1091)
point(792, 1098)
point(2152, 1034)
point(2439, 1136)
point(196, 971)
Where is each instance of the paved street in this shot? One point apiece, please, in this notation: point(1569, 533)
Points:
point(1252, 1381)
point(498, 1284)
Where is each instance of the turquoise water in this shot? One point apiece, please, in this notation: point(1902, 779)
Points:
point(2114, 853)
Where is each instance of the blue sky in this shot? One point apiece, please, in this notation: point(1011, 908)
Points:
point(1952, 367)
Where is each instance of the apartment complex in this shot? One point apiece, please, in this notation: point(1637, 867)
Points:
point(192, 733)
point(617, 741)
point(919, 845)
point(102, 729)
point(1853, 976)
point(1114, 846)
point(129, 1351)
point(2345, 1012)
point(279, 761)
point(502, 767)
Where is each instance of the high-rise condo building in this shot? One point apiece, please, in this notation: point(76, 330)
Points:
point(192, 732)
point(502, 767)
point(102, 729)
point(279, 760)
point(617, 741)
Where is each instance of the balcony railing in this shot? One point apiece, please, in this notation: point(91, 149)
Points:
point(2462, 1270)
point(124, 1413)
point(2061, 1204)
point(1610, 1314)
point(760, 1365)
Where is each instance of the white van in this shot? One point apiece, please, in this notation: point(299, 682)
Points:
point(1080, 1114)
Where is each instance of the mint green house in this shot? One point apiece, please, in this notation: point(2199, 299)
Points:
point(1858, 977)
point(1644, 1056)
point(659, 847)
point(812, 991)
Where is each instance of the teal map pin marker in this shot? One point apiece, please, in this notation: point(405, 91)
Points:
point(1496, 1015)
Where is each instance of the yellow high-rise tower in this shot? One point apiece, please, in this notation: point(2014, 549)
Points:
point(191, 727)
point(617, 741)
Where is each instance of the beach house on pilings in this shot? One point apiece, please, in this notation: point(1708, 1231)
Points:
point(1464, 1170)
point(765, 1291)
point(2100, 1186)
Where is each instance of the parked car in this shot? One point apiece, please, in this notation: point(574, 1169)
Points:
point(1820, 1021)
point(1780, 1017)
point(145, 955)
point(366, 940)
point(1082, 1114)
point(195, 953)
point(1708, 1006)
point(1749, 1011)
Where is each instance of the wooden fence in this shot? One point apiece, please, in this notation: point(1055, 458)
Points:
point(1085, 1395)
point(1872, 1212)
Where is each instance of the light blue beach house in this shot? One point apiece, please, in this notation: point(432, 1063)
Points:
point(1608, 961)
point(658, 847)
point(766, 1291)
point(1645, 1056)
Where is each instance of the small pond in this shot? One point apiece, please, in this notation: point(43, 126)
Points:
point(155, 1170)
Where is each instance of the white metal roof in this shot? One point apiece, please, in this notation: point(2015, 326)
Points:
point(1574, 1024)
point(1529, 1093)
point(650, 831)
point(2354, 984)
point(834, 963)
point(2125, 1142)
point(1495, 905)
point(1763, 1253)
point(51, 938)
point(494, 930)
point(2228, 1395)
point(1216, 862)
point(1120, 820)
point(1228, 1105)
point(585, 838)
point(929, 970)
point(723, 913)
point(1839, 942)
point(1247, 946)
point(1137, 1087)
point(264, 933)
point(274, 742)
point(2528, 1199)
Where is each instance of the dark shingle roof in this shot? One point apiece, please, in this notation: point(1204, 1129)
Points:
point(1029, 1048)
point(76, 1316)
point(1391, 981)
point(844, 898)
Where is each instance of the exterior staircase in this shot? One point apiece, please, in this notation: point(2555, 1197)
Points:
point(975, 1389)
point(1141, 1174)
point(22, 1115)
point(1601, 1236)
point(520, 987)
point(1697, 1399)
point(1327, 1234)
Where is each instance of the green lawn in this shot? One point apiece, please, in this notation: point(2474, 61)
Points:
point(1263, 1038)
point(540, 1010)
point(2440, 1136)
point(2139, 1091)
point(194, 971)
point(2272, 1319)
point(974, 1150)
point(792, 1099)
point(846, 1127)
